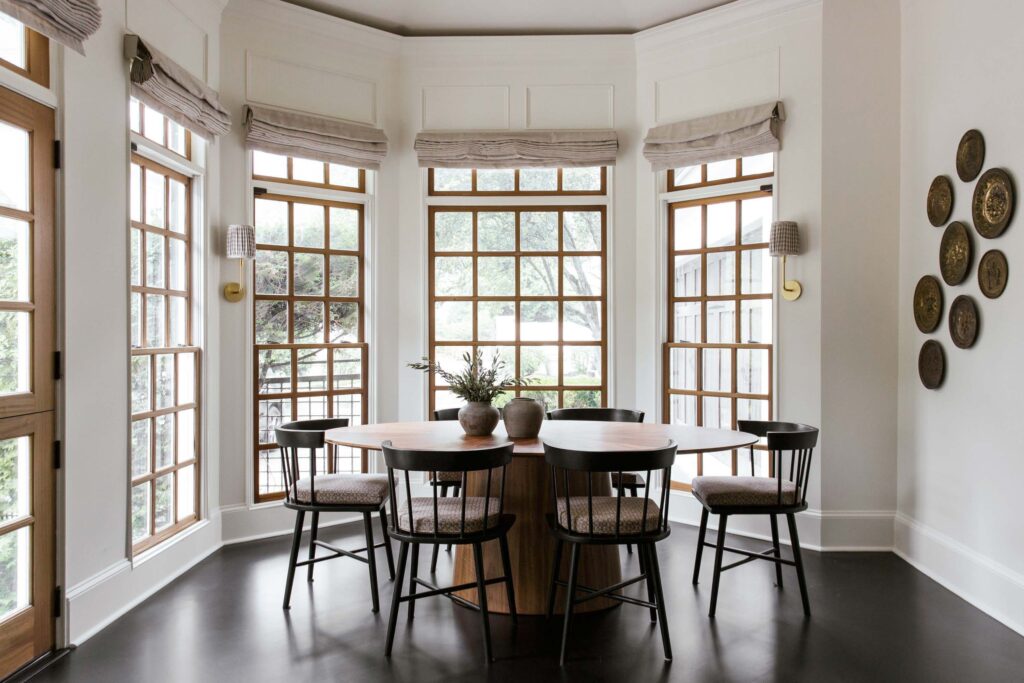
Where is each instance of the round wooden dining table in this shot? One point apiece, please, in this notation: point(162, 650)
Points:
point(528, 493)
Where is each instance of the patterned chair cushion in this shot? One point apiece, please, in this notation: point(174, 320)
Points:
point(604, 515)
point(628, 479)
point(344, 489)
point(449, 515)
point(455, 477)
point(742, 491)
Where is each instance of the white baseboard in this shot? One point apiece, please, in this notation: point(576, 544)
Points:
point(94, 603)
point(990, 586)
point(822, 531)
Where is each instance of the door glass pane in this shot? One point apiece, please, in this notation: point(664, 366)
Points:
point(12, 42)
point(15, 260)
point(15, 352)
point(15, 571)
point(15, 478)
point(15, 169)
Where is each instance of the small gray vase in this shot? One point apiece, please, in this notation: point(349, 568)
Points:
point(523, 418)
point(478, 418)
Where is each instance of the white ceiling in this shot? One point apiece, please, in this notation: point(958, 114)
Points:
point(509, 17)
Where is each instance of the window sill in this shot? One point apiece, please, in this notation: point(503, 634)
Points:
point(150, 553)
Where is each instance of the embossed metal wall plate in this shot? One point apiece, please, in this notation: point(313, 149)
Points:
point(963, 321)
point(992, 206)
point(931, 364)
point(928, 304)
point(955, 253)
point(993, 271)
point(970, 155)
point(940, 201)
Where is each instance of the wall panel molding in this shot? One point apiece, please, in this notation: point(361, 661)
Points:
point(715, 88)
point(570, 106)
point(466, 107)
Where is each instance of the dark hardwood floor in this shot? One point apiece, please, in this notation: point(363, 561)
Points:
point(875, 619)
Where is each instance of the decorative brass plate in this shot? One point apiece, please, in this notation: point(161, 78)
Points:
point(992, 273)
point(992, 207)
point(955, 253)
point(928, 304)
point(931, 364)
point(970, 155)
point(940, 201)
point(963, 321)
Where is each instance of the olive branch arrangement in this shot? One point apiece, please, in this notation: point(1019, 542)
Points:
point(477, 383)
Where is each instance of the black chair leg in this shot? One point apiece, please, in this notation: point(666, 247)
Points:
point(666, 641)
point(629, 546)
point(700, 544)
point(510, 592)
point(414, 568)
point(777, 548)
point(293, 558)
point(644, 549)
point(456, 491)
point(570, 599)
point(719, 549)
point(387, 543)
point(403, 554)
point(795, 541)
point(553, 588)
point(481, 592)
point(433, 553)
point(372, 557)
point(313, 528)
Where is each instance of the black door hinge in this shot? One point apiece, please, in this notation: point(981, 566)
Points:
point(259, 190)
point(58, 366)
point(57, 455)
point(56, 154)
point(135, 147)
point(767, 188)
point(58, 601)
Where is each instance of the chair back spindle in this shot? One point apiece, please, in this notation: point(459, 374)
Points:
point(304, 435)
point(799, 440)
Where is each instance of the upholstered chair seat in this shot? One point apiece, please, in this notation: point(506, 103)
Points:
point(449, 515)
point(344, 489)
point(631, 515)
point(742, 491)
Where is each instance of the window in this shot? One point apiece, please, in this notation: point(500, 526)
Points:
point(528, 282)
point(721, 172)
point(165, 356)
point(309, 310)
point(159, 129)
point(24, 51)
point(524, 181)
point(719, 354)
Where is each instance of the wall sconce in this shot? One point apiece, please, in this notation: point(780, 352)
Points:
point(242, 246)
point(785, 241)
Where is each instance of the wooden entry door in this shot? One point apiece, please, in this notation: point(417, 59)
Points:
point(27, 313)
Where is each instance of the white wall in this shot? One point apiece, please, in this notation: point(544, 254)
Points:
point(99, 578)
point(960, 454)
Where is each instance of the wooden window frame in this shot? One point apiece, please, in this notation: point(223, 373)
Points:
point(330, 391)
point(141, 107)
point(737, 297)
point(360, 188)
point(517, 299)
point(143, 290)
point(517, 192)
point(37, 59)
point(704, 182)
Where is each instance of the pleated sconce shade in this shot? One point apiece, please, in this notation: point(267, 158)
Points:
point(241, 241)
point(785, 239)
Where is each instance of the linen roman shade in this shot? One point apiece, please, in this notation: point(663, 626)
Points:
point(517, 149)
point(314, 137)
point(160, 83)
point(738, 133)
point(69, 22)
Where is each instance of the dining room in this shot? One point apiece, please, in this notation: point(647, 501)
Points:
point(455, 341)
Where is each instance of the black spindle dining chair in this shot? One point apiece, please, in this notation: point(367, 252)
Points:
point(630, 481)
point(772, 496)
point(582, 518)
point(445, 480)
point(307, 490)
point(469, 520)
